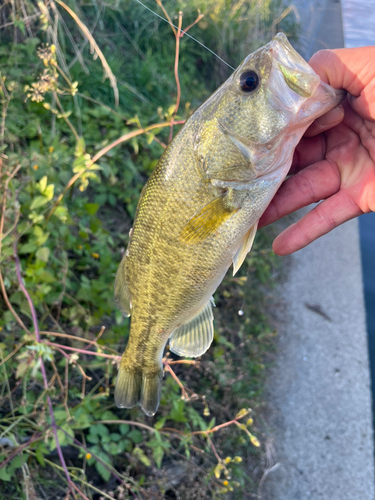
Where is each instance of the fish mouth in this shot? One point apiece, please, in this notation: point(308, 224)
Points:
point(318, 97)
point(324, 99)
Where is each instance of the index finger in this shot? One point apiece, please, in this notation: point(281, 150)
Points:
point(352, 70)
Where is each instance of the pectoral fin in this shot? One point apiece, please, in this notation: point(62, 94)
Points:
point(208, 220)
point(195, 337)
point(122, 295)
point(245, 248)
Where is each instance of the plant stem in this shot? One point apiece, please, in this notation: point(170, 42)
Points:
point(2, 220)
point(176, 59)
point(72, 487)
point(102, 355)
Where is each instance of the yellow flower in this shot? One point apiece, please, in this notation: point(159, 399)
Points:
point(227, 460)
point(250, 421)
point(217, 471)
point(241, 413)
point(225, 483)
point(47, 80)
point(88, 456)
point(95, 255)
point(47, 54)
point(50, 149)
point(35, 92)
point(237, 460)
point(254, 440)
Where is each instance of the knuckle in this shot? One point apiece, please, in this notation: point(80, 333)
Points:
point(305, 186)
point(325, 217)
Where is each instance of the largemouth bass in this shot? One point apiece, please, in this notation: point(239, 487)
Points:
point(198, 212)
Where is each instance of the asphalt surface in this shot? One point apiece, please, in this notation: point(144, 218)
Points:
point(319, 390)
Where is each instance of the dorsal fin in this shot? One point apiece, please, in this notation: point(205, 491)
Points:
point(245, 248)
point(195, 337)
point(122, 295)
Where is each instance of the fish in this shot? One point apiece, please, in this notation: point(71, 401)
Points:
point(198, 213)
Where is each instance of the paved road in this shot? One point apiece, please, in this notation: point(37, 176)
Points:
point(319, 391)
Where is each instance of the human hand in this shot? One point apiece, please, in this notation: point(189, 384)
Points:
point(335, 160)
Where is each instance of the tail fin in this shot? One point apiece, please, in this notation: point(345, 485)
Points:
point(150, 394)
point(132, 388)
point(128, 388)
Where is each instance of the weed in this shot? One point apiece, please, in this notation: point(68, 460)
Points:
point(72, 165)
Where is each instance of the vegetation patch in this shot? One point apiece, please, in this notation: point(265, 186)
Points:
point(91, 93)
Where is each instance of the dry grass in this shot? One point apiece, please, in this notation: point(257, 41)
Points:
point(23, 18)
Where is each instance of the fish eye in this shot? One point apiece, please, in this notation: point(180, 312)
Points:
point(249, 81)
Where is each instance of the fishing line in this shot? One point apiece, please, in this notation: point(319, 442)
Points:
point(184, 32)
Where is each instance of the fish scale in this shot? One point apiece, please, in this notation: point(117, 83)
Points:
point(199, 210)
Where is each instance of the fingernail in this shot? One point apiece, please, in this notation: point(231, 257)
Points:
point(334, 116)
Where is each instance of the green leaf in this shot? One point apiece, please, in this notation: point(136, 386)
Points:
point(27, 248)
point(82, 421)
point(80, 147)
point(158, 454)
point(43, 254)
point(111, 447)
point(20, 25)
point(40, 236)
point(139, 454)
point(38, 202)
point(108, 415)
point(61, 213)
point(40, 456)
point(93, 438)
point(105, 473)
point(22, 369)
point(91, 208)
point(43, 184)
point(212, 423)
point(48, 192)
point(18, 461)
point(135, 436)
point(99, 429)
point(80, 164)
point(124, 444)
point(178, 412)
point(47, 277)
point(5, 475)
point(124, 428)
point(160, 423)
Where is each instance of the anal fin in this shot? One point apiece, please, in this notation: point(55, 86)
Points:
point(195, 337)
point(245, 248)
